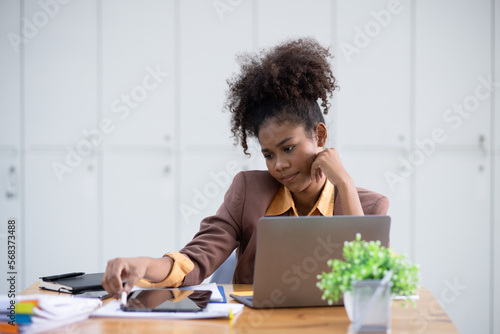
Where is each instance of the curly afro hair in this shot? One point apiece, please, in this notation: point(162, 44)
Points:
point(283, 83)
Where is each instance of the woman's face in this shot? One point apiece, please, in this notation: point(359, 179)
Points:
point(289, 154)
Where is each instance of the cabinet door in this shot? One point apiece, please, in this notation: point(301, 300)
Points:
point(278, 20)
point(453, 235)
point(9, 74)
point(496, 247)
point(10, 209)
point(376, 171)
point(497, 76)
point(210, 36)
point(61, 218)
point(138, 72)
point(138, 205)
point(373, 72)
point(202, 190)
point(60, 73)
point(452, 66)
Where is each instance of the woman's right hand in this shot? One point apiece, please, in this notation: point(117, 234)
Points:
point(131, 270)
point(123, 269)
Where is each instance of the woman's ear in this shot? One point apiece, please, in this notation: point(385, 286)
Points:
point(321, 134)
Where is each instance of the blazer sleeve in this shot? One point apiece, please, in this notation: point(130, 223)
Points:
point(218, 236)
point(372, 203)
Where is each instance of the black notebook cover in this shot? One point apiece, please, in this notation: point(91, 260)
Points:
point(86, 282)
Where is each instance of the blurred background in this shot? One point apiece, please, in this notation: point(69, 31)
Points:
point(113, 141)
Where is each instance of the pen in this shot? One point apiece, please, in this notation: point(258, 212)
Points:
point(124, 298)
point(56, 277)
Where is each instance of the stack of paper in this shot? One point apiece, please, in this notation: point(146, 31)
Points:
point(7, 315)
point(37, 313)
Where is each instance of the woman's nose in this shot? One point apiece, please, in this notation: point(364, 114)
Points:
point(281, 164)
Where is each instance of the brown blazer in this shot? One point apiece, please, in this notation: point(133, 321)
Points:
point(235, 225)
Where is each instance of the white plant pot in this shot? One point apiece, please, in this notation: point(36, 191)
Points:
point(368, 305)
point(349, 304)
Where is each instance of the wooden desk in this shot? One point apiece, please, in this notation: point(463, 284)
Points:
point(428, 317)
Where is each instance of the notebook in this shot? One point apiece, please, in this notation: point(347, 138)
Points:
point(75, 284)
point(292, 251)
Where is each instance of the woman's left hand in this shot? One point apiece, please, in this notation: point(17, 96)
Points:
point(328, 162)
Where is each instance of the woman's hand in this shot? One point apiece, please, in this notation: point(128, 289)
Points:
point(328, 162)
point(132, 270)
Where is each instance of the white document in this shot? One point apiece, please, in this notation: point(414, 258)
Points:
point(213, 310)
point(216, 310)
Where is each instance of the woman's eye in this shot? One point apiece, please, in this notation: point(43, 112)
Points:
point(288, 148)
point(268, 156)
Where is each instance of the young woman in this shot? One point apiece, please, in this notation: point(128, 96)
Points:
point(273, 99)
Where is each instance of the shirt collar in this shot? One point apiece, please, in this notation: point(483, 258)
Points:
point(283, 202)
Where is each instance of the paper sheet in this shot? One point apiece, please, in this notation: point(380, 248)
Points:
point(213, 310)
point(112, 309)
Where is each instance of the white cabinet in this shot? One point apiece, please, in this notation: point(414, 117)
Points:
point(60, 73)
point(373, 72)
point(202, 192)
point(138, 72)
point(497, 77)
point(210, 36)
point(279, 20)
point(372, 170)
point(138, 204)
point(452, 235)
point(452, 71)
point(61, 230)
point(10, 209)
point(10, 74)
point(496, 247)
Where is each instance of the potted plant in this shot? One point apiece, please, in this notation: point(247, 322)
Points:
point(368, 261)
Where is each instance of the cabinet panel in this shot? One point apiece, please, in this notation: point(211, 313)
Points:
point(373, 69)
point(453, 235)
point(453, 57)
point(279, 20)
point(138, 205)
point(202, 189)
point(60, 73)
point(61, 229)
point(138, 72)
point(496, 248)
point(378, 171)
point(10, 74)
point(10, 209)
point(497, 77)
point(210, 37)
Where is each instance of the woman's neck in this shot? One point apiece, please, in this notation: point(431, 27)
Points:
point(305, 200)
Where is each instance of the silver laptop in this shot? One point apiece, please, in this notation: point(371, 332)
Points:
point(292, 251)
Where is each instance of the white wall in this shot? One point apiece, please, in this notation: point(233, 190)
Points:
point(138, 88)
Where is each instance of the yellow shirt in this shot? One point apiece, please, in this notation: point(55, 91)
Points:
point(281, 203)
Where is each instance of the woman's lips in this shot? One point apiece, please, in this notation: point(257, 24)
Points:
point(289, 178)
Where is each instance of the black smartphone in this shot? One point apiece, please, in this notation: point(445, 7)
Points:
point(167, 300)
